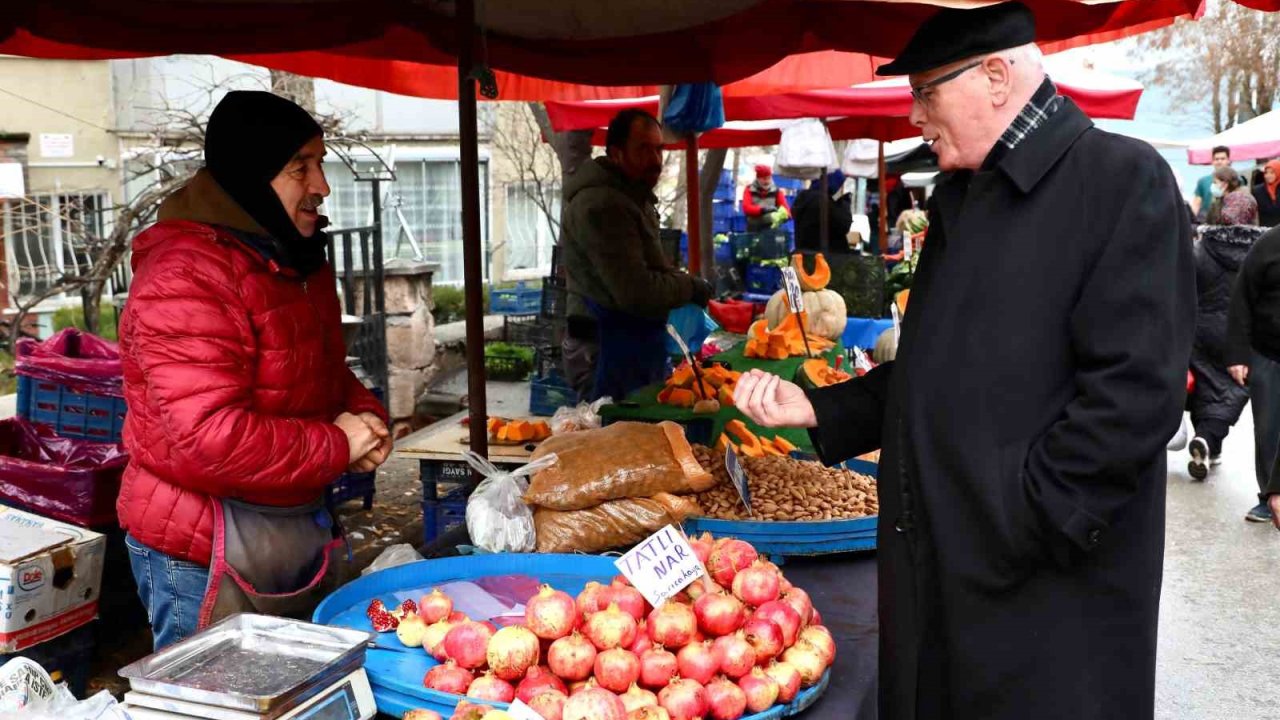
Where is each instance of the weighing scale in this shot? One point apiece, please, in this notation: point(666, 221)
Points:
point(350, 698)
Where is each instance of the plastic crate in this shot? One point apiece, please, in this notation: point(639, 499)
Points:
point(763, 279)
point(519, 300)
point(440, 516)
point(444, 476)
point(71, 414)
point(533, 330)
point(724, 253)
point(547, 360)
point(550, 393)
point(66, 658)
point(555, 298)
point(506, 368)
point(351, 486)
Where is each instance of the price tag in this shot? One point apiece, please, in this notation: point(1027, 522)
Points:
point(795, 299)
point(738, 476)
point(661, 565)
point(520, 711)
point(908, 246)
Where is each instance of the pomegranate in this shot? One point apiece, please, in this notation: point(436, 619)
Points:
point(807, 660)
point(737, 657)
point(594, 704)
point(819, 637)
point(420, 714)
point(617, 669)
point(787, 619)
point(788, 679)
point(611, 628)
point(512, 651)
point(765, 637)
point(756, 585)
point(761, 691)
point(579, 686)
point(702, 546)
point(549, 704)
point(620, 580)
point(817, 618)
point(784, 584)
point(467, 643)
point(684, 699)
point(551, 614)
point(410, 630)
point(470, 711)
point(628, 599)
point(538, 680)
point(448, 678)
point(657, 667)
point(799, 601)
point(457, 616)
point(728, 557)
point(725, 700)
point(702, 586)
point(572, 658)
point(435, 606)
point(636, 698)
point(719, 614)
point(643, 641)
point(651, 712)
point(672, 625)
point(698, 662)
point(589, 599)
point(491, 687)
point(433, 639)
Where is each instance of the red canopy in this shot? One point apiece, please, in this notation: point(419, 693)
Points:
point(408, 47)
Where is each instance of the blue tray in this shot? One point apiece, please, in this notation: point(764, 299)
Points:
point(781, 539)
point(396, 671)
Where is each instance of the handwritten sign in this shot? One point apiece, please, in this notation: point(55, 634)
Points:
point(738, 476)
point(795, 298)
point(520, 711)
point(661, 565)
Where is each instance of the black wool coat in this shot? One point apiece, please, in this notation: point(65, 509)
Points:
point(1040, 373)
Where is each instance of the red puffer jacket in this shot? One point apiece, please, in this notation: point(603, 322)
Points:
point(233, 373)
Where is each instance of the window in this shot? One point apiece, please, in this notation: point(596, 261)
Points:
point(47, 236)
point(424, 202)
point(530, 236)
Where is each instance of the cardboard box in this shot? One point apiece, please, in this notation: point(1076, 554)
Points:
point(50, 578)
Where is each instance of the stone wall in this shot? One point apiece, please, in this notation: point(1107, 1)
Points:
point(411, 346)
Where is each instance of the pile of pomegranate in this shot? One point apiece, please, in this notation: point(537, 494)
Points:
point(735, 642)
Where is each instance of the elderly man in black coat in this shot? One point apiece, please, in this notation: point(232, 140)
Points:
point(1040, 372)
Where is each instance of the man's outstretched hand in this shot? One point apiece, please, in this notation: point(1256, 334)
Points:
point(770, 401)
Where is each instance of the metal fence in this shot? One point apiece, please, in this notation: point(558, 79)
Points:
point(356, 255)
point(47, 236)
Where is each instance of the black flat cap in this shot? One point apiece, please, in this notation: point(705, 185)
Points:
point(952, 35)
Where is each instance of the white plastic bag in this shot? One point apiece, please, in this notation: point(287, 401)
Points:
point(806, 150)
point(27, 691)
point(393, 556)
point(498, 520)
point(586, 416)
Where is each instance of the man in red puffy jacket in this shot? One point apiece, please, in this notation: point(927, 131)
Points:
point(234, 364)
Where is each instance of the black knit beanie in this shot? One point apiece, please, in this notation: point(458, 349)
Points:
point(250, 138)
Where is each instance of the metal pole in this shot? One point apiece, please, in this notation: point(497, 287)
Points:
point(884, 202)
point(694, 205)
point(379, 288)
point(471, 248)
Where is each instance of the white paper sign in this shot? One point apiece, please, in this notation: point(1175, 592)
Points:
point(908, 246)
point(12, 184)
point(738, 476)
point(57, 145)
point(661, 565)
point(795, 298)
point(520, 711)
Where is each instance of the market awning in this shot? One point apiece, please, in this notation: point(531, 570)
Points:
point(1252, 140)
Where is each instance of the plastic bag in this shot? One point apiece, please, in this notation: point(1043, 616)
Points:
point(27, 691)
point(623, 460)
point(693, 324)
point(694, 108)
point(394, 556)
point(85, 363)
point(497, 518)
point(71, 480)
point(586, 416)
point(805, 150)
point(613, 524)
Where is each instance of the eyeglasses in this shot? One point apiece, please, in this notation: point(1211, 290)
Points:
point(917, 92)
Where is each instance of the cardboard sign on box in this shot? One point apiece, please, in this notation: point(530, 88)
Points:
point(50, 578)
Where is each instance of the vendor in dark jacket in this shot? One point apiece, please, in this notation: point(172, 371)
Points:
point(1023, 422)
point(807, 211)
point(1217, 401)
point(1253, 354)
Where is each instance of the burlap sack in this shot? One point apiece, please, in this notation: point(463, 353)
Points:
point(623, 460)
point(615, 524)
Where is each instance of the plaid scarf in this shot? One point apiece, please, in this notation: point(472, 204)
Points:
point(1042, 106)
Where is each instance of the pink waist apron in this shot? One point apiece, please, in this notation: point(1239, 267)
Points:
point(268, 560)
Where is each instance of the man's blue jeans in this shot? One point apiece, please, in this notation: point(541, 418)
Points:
point(171, 590)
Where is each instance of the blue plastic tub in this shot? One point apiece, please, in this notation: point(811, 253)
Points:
point(550, 393)
point(519, 300)
point(71, 414)
point(763, 279)
point(863, 332)
point(396, 671)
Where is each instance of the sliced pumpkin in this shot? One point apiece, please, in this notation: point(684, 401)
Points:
point(494, 425)
point(680, 397)
point(816, 280)
point(786, 447)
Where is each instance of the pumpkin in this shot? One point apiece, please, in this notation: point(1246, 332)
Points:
point(817, 373)
point(818, 279)
point(825, 313)
point(886, 348)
